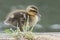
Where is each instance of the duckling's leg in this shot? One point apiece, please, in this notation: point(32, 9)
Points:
point(19, 25)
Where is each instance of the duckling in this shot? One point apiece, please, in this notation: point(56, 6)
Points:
point(34, 15)
point(20, 17)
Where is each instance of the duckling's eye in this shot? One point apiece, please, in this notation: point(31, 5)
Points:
point(12, 16)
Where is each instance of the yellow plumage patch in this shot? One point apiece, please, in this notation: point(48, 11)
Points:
point(32, 13)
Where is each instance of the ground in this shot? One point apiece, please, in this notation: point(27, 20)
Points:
point(37, 36)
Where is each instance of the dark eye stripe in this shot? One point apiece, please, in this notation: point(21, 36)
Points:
point(33, 11)
point(34, 8)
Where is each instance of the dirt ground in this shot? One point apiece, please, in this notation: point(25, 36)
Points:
point(38, 36)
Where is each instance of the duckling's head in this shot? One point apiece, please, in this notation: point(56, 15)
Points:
point(32, 10)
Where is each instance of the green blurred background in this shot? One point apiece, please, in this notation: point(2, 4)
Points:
point(49, 10)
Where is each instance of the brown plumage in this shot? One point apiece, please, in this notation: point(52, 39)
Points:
point(15, 18)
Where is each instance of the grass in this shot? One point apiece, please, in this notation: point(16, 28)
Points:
point(26, 34)
point(18, 35)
